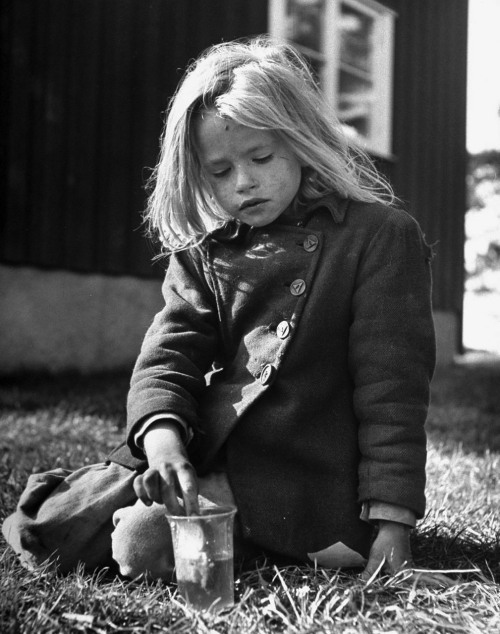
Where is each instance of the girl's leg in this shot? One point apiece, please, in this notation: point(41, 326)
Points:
point(141, 541)
point(67, 516)
point(92, 516)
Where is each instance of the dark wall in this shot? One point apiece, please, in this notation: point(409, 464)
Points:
point(429, 169)
point(87, 84)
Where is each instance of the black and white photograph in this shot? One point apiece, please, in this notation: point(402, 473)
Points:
point(250, 316)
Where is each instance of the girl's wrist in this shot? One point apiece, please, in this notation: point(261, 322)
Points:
point(390, 526)
point(161, 437)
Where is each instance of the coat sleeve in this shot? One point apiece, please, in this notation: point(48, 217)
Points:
point(178, 349)
point(392, 358)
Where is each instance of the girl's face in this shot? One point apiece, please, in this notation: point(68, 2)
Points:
point(253, 175)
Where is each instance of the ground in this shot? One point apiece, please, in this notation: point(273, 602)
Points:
point(70, 421)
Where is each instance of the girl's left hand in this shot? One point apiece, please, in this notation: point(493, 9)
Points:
point(391, 553)
point(391, 546)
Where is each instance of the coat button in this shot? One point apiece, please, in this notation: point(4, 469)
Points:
point(297, 287)
point(267, 374)
point(311, 243)
point(283, 329)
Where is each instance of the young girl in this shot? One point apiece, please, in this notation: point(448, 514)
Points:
point(289, 370)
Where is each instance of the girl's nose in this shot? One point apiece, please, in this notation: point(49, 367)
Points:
point(245, 180)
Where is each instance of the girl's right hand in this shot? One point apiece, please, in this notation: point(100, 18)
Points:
point(170, 474)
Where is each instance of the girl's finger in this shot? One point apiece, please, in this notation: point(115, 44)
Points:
point(188, 484)
point(374, 566)
point(167, 486)
point(140, 491)
point(152, 486)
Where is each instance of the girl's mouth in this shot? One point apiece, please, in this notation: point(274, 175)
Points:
point(252, 202)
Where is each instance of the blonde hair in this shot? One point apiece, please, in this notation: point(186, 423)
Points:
point(260, 84)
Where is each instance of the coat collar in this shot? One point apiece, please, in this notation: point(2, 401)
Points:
point(300, 213)
point(336, 206)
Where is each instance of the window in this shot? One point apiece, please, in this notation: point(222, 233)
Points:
point(349, 44)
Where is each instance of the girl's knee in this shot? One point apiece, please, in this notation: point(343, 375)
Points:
point(141, 542)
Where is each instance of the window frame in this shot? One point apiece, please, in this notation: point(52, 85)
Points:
point(379, 142)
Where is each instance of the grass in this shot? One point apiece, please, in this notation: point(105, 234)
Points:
point(71, 421)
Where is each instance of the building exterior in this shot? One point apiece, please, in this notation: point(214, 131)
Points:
point(87, 85)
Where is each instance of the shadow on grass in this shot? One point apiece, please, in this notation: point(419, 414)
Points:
point(91, 395)
point(465, 404)
point(441, 548)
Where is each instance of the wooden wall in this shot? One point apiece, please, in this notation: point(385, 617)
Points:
point(429, 131)
point(87, 83)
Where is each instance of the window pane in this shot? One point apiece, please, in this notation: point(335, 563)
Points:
point(304, 22)
point(355, 102)
point(356, 74)
point(356, 30)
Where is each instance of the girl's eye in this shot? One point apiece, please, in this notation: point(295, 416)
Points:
point(263, 159)
point(221, 173)
point(260, 160)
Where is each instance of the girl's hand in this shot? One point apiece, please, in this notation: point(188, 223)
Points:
point(391, 546)
point(391, 553)
point(170, 474)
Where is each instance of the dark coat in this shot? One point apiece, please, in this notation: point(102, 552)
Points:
point(323, 342)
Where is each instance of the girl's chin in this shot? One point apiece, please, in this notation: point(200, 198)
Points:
point(258, 219)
